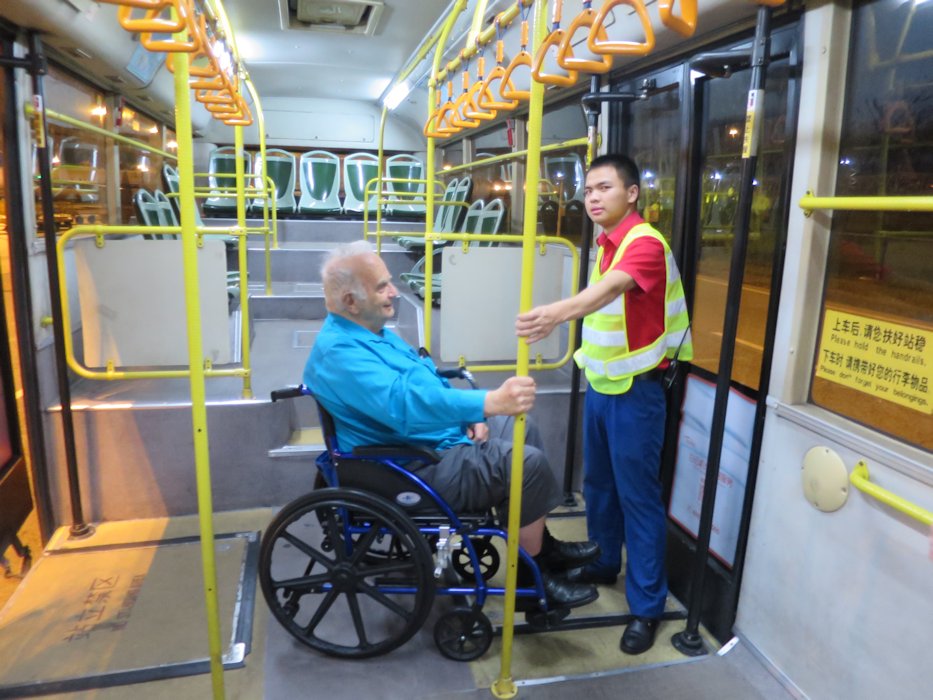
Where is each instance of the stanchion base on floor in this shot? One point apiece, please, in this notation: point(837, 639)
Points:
point(689, 643)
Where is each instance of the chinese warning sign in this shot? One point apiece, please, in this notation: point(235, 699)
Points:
point(881, 358)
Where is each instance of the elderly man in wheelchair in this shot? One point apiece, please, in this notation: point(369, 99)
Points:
point(440, 470)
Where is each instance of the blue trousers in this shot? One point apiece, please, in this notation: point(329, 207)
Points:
point(623, 436)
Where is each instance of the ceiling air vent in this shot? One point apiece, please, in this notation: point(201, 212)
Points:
point(353, 16)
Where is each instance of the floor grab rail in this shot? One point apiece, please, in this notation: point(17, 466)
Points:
point(861, 479)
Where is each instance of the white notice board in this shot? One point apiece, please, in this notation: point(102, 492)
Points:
point(690, 471)
point(480, 302)
point(132, 298)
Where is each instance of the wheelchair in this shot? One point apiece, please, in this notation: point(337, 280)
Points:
point(352, 568)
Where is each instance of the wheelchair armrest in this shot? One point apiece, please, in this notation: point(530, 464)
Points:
point(397, 452)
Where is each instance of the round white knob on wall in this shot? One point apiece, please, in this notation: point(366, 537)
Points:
point(825, 479)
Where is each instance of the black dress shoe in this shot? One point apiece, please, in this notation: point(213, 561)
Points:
point(584, 574)
point(639, 635)
point(559, 594)
point(559, 556)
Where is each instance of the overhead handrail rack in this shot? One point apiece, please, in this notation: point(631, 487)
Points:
point(861, 479)
point(810, 203)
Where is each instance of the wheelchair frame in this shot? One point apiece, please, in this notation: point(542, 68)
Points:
point(384, 534)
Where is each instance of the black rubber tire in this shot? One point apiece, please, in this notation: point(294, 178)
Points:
point(463, 634)
point(355, 573)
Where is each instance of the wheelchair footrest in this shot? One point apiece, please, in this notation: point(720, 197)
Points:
point(546, 619)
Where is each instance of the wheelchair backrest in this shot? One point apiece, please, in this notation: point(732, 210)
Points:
point(381, 475)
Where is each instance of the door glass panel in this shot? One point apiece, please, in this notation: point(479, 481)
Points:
point(655, 147)
point(722, 132)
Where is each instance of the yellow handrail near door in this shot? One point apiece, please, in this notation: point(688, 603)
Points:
point(861, 479)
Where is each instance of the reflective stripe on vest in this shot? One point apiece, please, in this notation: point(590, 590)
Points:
point(604, 352)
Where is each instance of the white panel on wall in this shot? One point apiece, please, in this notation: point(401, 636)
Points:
point(132, 299)
point(486, 282)
point(313, 127)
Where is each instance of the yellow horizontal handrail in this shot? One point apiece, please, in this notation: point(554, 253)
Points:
point(515, 155)
point(57, 116)
point(99, 232)
point(809, 203)
point(860, 479)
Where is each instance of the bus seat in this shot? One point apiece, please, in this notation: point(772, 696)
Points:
point(320, 183)
point(406, 199)
point(450, 214)
point(170, 183)
point(480, 218)
point(359, 169)
point(223, 162)
point(280, 168)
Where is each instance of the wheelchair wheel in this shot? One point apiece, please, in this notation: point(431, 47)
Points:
point(463, 634)
point(488, 557)
point(346, 573)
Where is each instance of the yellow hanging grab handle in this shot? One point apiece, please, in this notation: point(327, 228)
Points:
point(553, 41)
point(430, 126)
point(144, 4)
point(155, 18)
point(472, 109)
point(686, 24)
point(621, 48)
point(506, 86)
point(444, 124)
point(488, 98)
point(203, 51)
point(458, 117)
point(565, 56)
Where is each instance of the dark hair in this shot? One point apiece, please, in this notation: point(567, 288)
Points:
point(625, 167)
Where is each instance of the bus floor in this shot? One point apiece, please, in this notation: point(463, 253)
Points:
point(544, 665)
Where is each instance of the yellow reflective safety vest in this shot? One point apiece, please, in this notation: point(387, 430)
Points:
point(604, 351)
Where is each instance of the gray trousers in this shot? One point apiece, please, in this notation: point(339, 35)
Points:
point(474, 478)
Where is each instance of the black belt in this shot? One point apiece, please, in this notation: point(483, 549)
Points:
point(652, 375)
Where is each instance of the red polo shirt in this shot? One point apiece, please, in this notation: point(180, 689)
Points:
point(644, 261)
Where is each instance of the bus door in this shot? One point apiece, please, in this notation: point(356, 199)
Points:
point(19, 522)
point(686, 135)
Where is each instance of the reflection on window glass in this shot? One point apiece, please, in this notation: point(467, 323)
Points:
point(139, 169)
point(560, 189)
point(880, 263)
point(79, 167)
point(655, 140)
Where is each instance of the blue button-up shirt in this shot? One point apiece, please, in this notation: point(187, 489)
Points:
point(380, 392)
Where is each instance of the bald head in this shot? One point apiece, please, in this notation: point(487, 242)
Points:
point(358, 286)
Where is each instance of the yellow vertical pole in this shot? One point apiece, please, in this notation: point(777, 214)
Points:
point(504, 686)
point(429, 175)
point(382, 133)
point(242, 260)
point(202, 459)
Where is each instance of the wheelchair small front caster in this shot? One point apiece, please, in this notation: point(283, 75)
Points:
point(463, 634)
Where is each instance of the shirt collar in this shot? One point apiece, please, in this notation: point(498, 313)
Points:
point(355, 329)
point(613, 239)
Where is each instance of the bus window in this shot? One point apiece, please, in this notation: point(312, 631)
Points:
point(873, 361)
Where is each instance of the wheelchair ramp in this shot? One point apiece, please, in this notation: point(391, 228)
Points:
point(99, 613)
